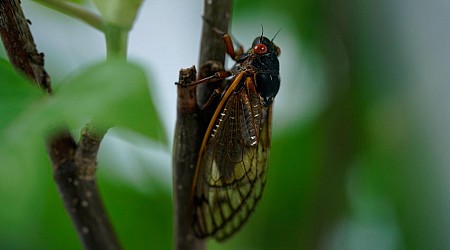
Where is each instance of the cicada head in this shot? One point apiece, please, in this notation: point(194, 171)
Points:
point(263, 45)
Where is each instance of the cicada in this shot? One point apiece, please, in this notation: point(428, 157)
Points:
point(232, 164)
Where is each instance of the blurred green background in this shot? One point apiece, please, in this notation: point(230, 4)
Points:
point(360, 136)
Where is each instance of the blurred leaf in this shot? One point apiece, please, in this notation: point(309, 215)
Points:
point(114, 93)
point(20, 149)
point(119, 12)
point(16, 94)
point(20, 178)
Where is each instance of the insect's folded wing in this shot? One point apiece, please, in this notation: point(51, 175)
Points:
point(233, 167)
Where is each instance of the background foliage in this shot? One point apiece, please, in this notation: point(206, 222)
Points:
point(359, 149)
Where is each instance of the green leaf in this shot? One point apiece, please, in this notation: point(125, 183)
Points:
point(109, 94)
point(16, 94)
point(119, 12)
point(114, 93)
point(21, 151)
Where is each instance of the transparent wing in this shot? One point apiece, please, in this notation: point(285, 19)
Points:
point(233, 164)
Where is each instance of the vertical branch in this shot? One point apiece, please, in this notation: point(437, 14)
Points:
point(190, 127)
point(217, 15)
point(73, 164)
point(185, 152)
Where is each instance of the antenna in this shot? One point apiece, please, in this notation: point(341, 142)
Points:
point(262, 31)
point(276, 34)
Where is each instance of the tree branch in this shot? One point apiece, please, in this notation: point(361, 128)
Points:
point(191, 125)
point(217, 15)
point(73, 165)
point(74, 172)
point(185, 152)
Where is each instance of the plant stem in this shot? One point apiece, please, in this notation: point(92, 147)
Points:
point(116, 42)
point(116, 37)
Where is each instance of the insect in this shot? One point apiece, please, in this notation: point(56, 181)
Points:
point(232, 164)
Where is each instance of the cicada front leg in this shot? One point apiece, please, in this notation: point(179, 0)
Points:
point(229, 47)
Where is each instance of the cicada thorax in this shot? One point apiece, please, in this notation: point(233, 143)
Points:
point(232, 164)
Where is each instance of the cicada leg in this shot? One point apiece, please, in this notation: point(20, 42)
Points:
point(229, 47)
point(213, 97)
point(220, 75)
point(213, 100)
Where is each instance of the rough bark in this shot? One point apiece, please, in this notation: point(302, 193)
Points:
point(191, 125)
point(185, 153)
point(20, 46)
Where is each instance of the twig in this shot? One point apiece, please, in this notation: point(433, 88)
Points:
point(75, 176)
point(73, 165)
point(216, 17)
point(190, 126)
point(187, 138)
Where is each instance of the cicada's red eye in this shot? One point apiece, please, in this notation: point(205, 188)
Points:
point(260, 49)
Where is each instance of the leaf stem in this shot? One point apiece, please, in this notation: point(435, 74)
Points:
point(75, 11)
point(116, 37)
point(116, 42)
